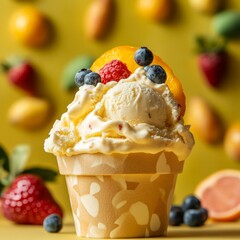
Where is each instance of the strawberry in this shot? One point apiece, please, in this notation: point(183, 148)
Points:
point(115, 70)
point(24, 197)
point(28, 201)
point(212, 60)
point(213, 65)
point(21, 75)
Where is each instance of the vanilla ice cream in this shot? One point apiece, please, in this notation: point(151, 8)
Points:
point(135, 104)
point(130, 116)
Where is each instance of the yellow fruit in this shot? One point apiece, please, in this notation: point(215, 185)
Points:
point(29, 112)
point(232, 141)
point(97, 18)
point(29, 26)
point(154, 10)
point(126, 55)
point(206, 6)
point(204, 121)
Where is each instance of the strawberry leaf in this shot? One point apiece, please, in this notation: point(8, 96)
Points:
point(14, 60)
point(4, 67)
point(19, 157)
point(47, 175)
point(210, 45)
point(4, 160)
point(1, 189)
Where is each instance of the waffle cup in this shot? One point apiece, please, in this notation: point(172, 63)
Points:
point(121, 196)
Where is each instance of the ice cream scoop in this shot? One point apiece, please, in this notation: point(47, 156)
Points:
point(134, 103)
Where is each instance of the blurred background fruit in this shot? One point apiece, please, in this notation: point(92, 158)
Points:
point(155, 10)
point(29, 112)
point(29, 26)
point(232, 141)
point(206, 6)
point(98, 18)
point(204, 121)
point(212, 59)
point(20, 73)
point(227, 24)
point(219, 194)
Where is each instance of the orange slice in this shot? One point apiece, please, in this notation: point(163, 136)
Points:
point(220, 194)
point(126, 55)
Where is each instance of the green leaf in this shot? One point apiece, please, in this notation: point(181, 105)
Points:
point(4, 67)
point(47, 175)
point(4, 160)
point(210, 44)
point(6, 181)
point(19, 157)
point(69, 72)
point(201, 41)
point(1, 189)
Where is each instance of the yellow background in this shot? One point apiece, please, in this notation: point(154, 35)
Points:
point(172, 41)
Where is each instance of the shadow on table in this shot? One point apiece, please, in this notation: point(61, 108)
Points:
point(68, 228)
point(207, 231)
point(216, 231)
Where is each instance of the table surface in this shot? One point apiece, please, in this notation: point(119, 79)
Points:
point(210, 231)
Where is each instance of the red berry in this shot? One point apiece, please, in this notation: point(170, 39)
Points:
point(28, 201)
point(213, 66)
point(22, 76)
point(114, 71)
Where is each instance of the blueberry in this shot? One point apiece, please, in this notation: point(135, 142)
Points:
point(204, 212)
point(79, 77)
point(194, 217)
point(143, 56)
point(52, 223)
point(156, 74)
point(92, 78)
point(176, 216)
point(191, 202)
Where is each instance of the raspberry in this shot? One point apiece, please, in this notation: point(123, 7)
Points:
point(114, 71)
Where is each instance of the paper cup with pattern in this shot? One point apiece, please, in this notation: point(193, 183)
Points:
point(121, 196)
